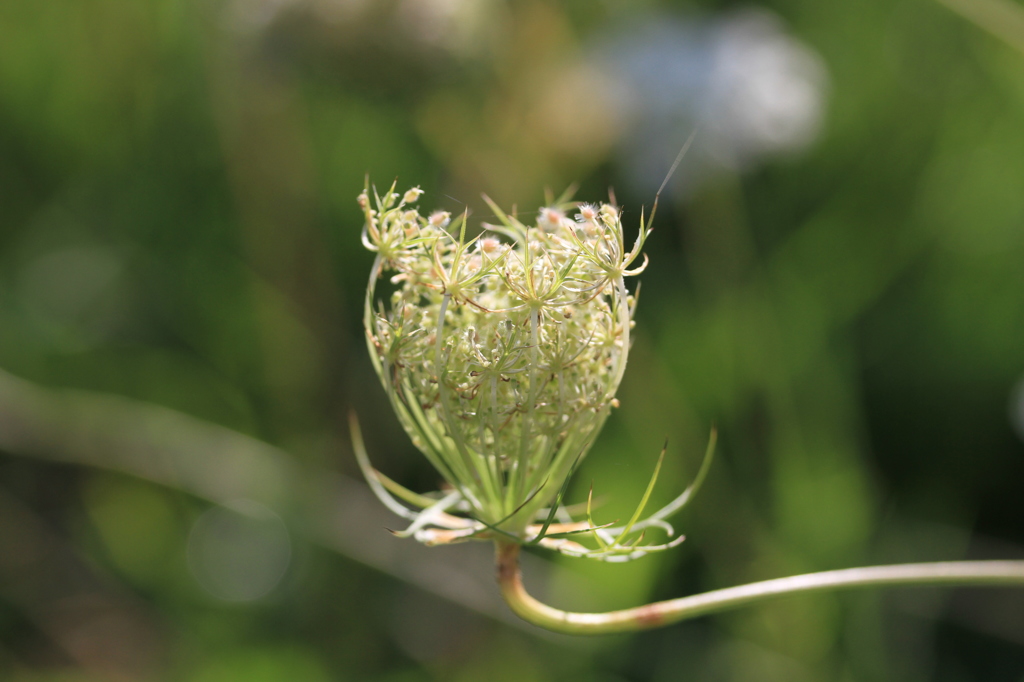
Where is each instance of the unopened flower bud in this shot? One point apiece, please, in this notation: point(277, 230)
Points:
point(439, 218)
point(608, 214)
point(551, 218)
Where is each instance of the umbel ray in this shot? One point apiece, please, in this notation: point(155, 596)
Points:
point(501, 355)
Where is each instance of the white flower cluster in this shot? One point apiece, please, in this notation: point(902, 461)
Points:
point(501, 354)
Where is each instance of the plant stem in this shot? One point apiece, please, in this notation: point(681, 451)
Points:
point(952, 573)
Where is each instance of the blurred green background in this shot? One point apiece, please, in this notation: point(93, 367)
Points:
point(836, 281)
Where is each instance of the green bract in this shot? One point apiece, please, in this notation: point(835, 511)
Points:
point(501, 355)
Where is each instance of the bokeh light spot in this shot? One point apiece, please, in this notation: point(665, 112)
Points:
point(240, 551)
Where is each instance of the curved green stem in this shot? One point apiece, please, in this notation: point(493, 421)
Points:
point(952, 573)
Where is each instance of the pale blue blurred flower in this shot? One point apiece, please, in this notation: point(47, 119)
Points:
point(752, 91)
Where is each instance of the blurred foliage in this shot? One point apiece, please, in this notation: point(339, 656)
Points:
point(178, 182)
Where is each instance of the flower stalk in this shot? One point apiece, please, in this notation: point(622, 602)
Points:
point(657, 614)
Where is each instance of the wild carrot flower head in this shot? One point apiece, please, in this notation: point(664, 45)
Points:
point(500, 353)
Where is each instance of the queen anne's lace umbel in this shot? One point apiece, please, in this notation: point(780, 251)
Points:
point(501, 354)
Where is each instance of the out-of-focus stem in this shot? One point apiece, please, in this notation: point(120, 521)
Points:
point(1001, 18)
point(952, 573)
